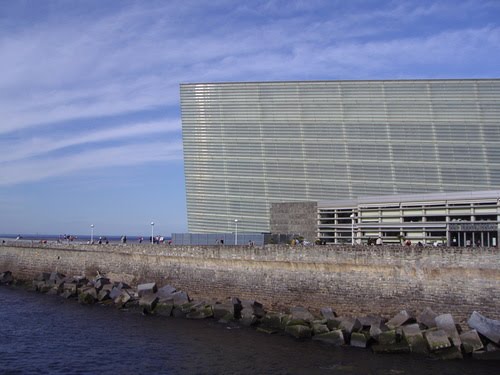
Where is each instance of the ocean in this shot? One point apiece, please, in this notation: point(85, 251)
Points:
point(46, 334)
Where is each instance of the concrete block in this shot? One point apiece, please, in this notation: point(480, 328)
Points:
point(370, 320)
point(318, 329)
point(301, 313)
point(388, 337)
point(115, 292)
point(108, 287)
point(148, 288)
point(229, 318)
point(446, 323)
point(335, 337)
point(350, 325)
point(6, 277)
point(222, 309)
point(100, 282)
point(257, 307)
point(359, 340)
point(489, 328)
point(375, 332)
point(399, 319)
point(200, 311)
point(248, 318)
point(328, 313)
point(490, 347)
point(414, 338)
point(437, 339)
point(70, 287)
point(122, 285)
point(453, 352)
point(273, 321)
point(178, 312)
point(163, 309)
point(180, 298)
point(334, 323)
point(103, 295)
point(57, 288)
point(166, 291)
point(148, 302)
point(427, 318)
point(471, 341)
point(299, 331)
point(123, 298)
point(87, 295)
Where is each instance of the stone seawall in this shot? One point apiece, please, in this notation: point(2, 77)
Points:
point(354, 281)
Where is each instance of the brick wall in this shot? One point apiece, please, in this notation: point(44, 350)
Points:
point(354, 281)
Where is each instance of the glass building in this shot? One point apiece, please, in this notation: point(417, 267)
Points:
point(247, 145)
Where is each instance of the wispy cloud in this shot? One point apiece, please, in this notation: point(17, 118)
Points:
point(130, 155)
point(43, 145)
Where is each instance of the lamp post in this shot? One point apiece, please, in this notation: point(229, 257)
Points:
point(236, 232)
point(152, 232)
point(353, 216)
point(91, 233)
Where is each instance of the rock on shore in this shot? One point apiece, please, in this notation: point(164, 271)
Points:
point(428, 333)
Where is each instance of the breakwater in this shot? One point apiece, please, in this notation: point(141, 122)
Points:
point(427, 334)
point(354, 281)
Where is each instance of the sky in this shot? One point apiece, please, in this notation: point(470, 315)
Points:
point(90, 126)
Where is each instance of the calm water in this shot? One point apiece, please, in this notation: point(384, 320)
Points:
point(42, 334)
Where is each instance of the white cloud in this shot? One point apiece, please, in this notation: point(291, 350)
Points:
point(42, 145)
point(135, 154)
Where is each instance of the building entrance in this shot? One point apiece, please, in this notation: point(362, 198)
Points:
point(473, 234)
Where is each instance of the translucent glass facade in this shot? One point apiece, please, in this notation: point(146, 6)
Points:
point(249, 144)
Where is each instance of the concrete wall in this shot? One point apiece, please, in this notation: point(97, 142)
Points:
point(360, 280)
point(295, 218)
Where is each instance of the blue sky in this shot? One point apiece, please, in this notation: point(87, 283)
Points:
point(90, 128)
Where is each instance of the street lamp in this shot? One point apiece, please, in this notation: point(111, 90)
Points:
point(353, 216)
point(91, 233)
point(236, 232)
point(152, 231)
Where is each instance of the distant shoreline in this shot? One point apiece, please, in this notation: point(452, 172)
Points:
point(77, 239)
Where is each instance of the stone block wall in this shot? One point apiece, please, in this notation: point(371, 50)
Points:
point(295, 218)
point(352, 280)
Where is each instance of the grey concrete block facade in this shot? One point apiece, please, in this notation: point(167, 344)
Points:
point(298, 218)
